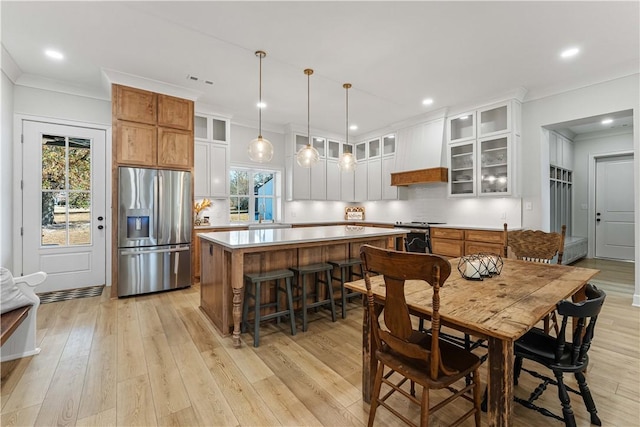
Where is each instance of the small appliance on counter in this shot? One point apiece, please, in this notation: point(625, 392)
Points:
point(419, 238)
point(154, 230)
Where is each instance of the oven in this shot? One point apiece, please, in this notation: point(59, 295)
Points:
point(419, 236)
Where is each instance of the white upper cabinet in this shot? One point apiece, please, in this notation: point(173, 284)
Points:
point(560, 151)
point(211, 128)
point(461, 127)
point(211, 156)
point(482, 156)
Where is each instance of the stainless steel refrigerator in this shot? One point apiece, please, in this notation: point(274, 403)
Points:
point(154, 230)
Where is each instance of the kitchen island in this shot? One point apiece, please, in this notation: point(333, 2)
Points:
point(227, 255)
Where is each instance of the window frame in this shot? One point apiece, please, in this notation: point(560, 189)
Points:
point(276, 197)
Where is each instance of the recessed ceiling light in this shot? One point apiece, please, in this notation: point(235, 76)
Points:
point(54, 54)
point(261, 105)
point(607, 121)
point(570, 52)
point(427, 101)
point(353, 127)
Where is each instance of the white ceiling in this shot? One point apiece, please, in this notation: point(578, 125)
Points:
point(394, 53)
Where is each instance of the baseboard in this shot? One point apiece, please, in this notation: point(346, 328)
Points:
point(20, 355)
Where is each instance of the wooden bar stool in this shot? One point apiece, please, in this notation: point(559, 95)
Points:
point(301, 282)
point(253, 282)
point(346, 275)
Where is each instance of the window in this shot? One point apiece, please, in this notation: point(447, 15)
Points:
point(252, 195)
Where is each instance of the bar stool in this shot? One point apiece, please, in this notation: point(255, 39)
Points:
point(301, 282)
point(346, 271)
point(254, 280)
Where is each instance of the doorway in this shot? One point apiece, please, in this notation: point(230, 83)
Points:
point(63, 204)
point(614, 207)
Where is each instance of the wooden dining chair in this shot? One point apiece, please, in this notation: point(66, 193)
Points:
point(408, 354)
point(536, 246)
point(561, 356)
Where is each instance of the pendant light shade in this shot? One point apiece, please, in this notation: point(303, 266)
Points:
point(347, 161)
point(260, 149)
point(308, 156)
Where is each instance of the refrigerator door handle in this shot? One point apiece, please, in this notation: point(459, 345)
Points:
point(156, 210)
point(155, 251)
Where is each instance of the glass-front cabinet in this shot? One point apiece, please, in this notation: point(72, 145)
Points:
point(482, 155)
point(494, 165)
point(462, 170)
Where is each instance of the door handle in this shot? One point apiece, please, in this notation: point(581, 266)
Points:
point(100, 218)
point(597, 219)
point(100, 227)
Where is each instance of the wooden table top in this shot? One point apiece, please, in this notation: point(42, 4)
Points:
point(503, 306)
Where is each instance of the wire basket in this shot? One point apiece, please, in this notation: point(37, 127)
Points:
point(481, 265)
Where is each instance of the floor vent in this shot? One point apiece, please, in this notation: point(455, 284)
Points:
point(67, 294)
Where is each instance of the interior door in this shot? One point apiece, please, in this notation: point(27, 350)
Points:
point(614, 208)
point(63, 204)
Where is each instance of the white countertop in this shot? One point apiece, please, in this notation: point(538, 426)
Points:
point(284, 236)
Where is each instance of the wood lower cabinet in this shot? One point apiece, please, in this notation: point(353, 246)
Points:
point(447, 241)
point(456, 242)
point(488, 241)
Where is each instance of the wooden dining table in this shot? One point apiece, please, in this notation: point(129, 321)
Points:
point(499, 309)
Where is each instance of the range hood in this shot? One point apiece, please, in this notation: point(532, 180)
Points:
point(420, 176)
point(420, 154)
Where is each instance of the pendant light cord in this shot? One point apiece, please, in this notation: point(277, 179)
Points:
point(261, 55)
point(308, 72)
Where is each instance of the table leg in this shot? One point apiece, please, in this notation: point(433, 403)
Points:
point(237, 287)
point(500, 382)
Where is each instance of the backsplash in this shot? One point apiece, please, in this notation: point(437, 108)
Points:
point(427, 202)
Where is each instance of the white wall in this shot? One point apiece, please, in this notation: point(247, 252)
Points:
point(615, 95)
point(584, 146)
point(6, 173)
point(44, 103)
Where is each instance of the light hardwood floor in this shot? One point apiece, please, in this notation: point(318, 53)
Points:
point(156, 360)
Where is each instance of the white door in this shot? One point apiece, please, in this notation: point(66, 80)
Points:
point(614, 208)
point(63, 204)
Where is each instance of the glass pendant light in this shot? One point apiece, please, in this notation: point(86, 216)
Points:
point(260, 149)
point(347, 161)
point(308, 155)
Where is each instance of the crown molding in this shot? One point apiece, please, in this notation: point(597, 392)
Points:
point(125, 79)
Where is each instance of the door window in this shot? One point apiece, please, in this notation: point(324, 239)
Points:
point(66, 191)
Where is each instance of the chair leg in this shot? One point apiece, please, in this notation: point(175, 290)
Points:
point(290, 302)
point(517, 368)
point(587, 398)
point(424, 408)
point(477, 398)
point(375, 393)
point(256, 330)
point(344, 294)
point(245, 308)
point(304, 302)
point(332, 303)
point(567, 412)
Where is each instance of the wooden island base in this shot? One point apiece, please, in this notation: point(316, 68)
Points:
point(227, 256)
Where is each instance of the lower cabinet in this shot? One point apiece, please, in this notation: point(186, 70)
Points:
point(447, 242)
point(456, 242)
